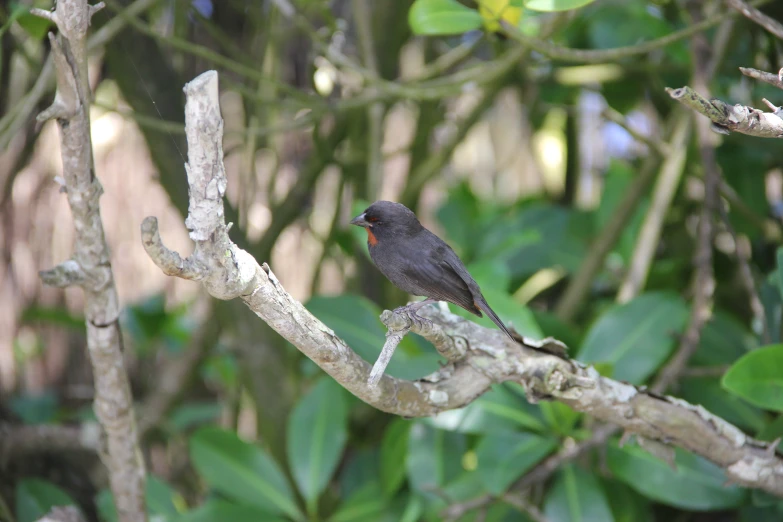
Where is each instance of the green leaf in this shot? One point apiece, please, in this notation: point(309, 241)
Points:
point(758, 377)
point(707, 392)
point(187, 416)
point(577, 496)
point(556, 5)
point(535, 236)
point(438, 17)
point(355, 320)
point(723, 340)
point(697, 484)
point(627, 505)
point(434, 457)
point(35, 26)
point(317, 431)
point(368, 503)
point(560, 417)
point(499, 409)
point(242, 471)
point(36, 497)
point(504, 457)
point(394, 447)
point(215, 510)
point(637, 337)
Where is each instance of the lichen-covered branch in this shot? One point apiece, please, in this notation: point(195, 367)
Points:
point(542, 368)
point(731, 118)
point(90, 266)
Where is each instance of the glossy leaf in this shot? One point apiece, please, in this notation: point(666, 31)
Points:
point(637, 337)
point(758, 377)
point(723, 340)
point(215, 509)
point(368, 503)
point(536, 236)
point(556, 5)
point(394, 447)
point(697, 484)
point(438, 17)
point(36, 497)
point(242, 471)
point(504, 457)
point(707, 392)
point(317, 431)
point(627, 505)
point(577, 496)
point(434, 457)
point(356, 320)
point(492, 11)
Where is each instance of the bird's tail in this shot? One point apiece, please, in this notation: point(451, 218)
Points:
point(484, 307)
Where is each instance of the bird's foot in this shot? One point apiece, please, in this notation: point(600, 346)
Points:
point(412, 311)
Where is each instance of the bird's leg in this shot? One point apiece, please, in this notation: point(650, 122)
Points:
point(412, 309)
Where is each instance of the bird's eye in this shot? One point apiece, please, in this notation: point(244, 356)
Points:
point(372, 219)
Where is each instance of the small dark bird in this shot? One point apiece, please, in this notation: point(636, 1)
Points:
point(419, 262)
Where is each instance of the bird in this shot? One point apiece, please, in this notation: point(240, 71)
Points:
point(418, 262)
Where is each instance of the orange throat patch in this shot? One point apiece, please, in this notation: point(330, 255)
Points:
point(371, 239)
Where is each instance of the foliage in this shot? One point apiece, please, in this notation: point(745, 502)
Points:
point(258, 433)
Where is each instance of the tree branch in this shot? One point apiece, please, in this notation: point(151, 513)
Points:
point(753, 14)
point(726, 118)
point(490, 357)
point(16, 441)
point(90, 267)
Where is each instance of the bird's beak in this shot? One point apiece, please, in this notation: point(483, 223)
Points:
point(359, 221)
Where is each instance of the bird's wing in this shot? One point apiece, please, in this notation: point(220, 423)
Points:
point(435, 274)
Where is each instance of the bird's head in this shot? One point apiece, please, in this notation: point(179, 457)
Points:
point(386, 218)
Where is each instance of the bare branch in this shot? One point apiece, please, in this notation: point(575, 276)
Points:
point(490, 357)
point(772, 79)
point(727, 118)
point(704, 57)
point(751, 13)
point(663, 194)
point(20, 440)
point(91, 262)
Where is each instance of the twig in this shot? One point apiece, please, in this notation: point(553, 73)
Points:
point(772, 79)
point(19, 116)
point(665, 187)
point(580, 284)
point(17, 441)
point(90, 266)
point(746, 276)
point(523, 505)
point(172, 379)
point(753, 14)
point(399, 324)
point(541, 472)
point(704, 59)
point(726, 118)
point(375, 111)
point(566, 54)
point(228, 272)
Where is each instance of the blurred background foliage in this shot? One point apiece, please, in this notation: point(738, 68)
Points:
point(524, 163)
